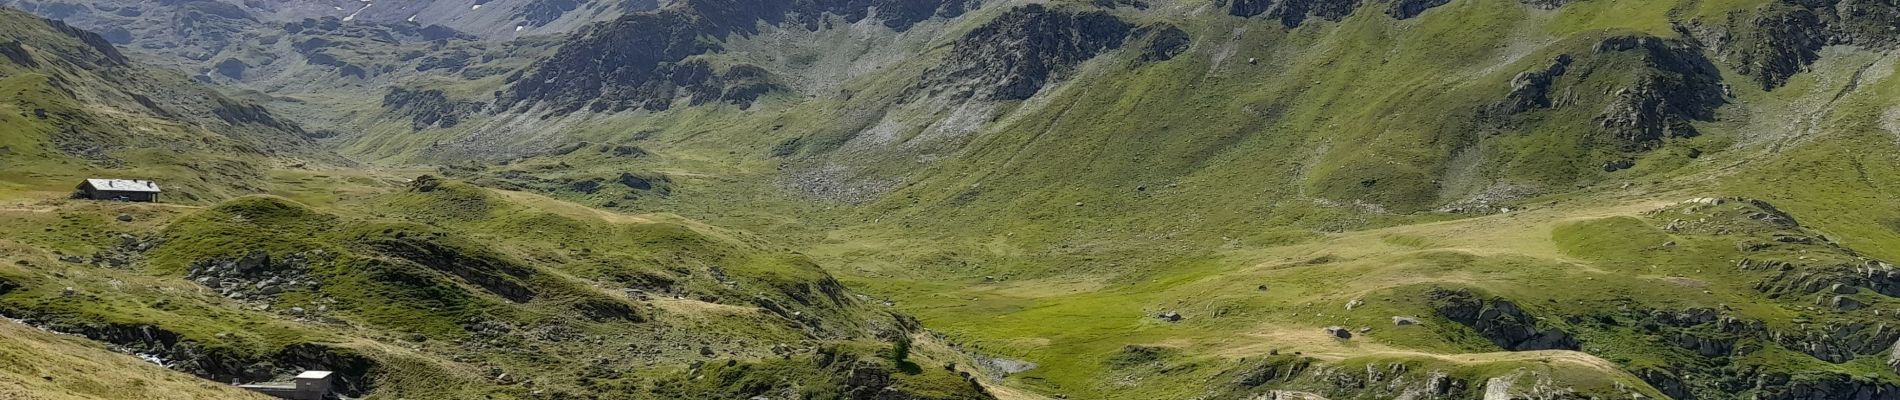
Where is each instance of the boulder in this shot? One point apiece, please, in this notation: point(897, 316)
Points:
point(1339, 332)
point(1403, 321)
point(1845, 303)
point(1893, 357)
point(1169, 316)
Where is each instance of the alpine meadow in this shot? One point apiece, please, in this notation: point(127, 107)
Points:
point(950, 199)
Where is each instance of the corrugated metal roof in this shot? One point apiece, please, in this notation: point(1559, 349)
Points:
point(123, 185)
point(314, 375)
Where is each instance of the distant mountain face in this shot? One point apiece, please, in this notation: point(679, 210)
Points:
point(290, 46)
point(1073, 120)
point(486, 18)
point(928, 79)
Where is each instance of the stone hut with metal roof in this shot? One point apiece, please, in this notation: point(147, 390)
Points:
point(118, 190)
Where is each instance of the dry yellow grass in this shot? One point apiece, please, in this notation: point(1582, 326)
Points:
point(38, 365)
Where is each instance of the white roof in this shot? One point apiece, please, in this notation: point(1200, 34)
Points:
point(314, 375)
point(123, 185)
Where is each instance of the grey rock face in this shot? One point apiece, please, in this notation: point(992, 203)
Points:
point(1679, 86)
point(429, 108)
point(1499, 320)
point(1015, 55)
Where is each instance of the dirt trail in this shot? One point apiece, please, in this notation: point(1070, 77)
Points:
point(1564, 356)
point(1314, 343)
point(562, 207)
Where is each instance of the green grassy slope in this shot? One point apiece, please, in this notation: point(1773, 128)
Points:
point(74, 107)
point(72, 368)
point(1352, 159)
point(1516, 179)
point(446, 290)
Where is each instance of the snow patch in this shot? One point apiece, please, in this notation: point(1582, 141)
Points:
point(366, 6)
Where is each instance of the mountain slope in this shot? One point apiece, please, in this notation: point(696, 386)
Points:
point(71, 368)
point(421, 289)
point(443, 290)
point(1134, 199)
point(75, 106)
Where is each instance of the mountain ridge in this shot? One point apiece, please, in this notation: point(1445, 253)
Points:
point(1093, 199)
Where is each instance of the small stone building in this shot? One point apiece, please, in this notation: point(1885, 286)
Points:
point(119, 190)
point(309, 385)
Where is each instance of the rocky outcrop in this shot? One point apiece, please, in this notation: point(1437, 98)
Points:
point(622, 64)
point(15, 52)
point(1666, 382)
point(107, 55)
point(1014, 56)
point(1773, 46)
point(1164, 42)
point(427, 108)
point(1678, 85)
point(1406, 9)
point(1292, 13)
point(1270, 377)
point(1893, 351)
point(641, 60)
point(355, 373)
point(1531, 90)
point(1787, 279)
point(844, 373)
point(1821, 386)
point(1545, 4)
point(1254, 373)
point(1717, 339)
point(255, 277)
point(490, 272)
point(1659, 87)
point(1499, 320)
point(644, 70)
point(1780, 39)
point(542, 12)
point(242, 113)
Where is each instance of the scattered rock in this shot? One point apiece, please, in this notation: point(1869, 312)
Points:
point(1842, 289)
point(1169, 316)
point(1845, 303)
point(1403, 321)
point(1339, 332)
point(1355, 303)
point(123, 217)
